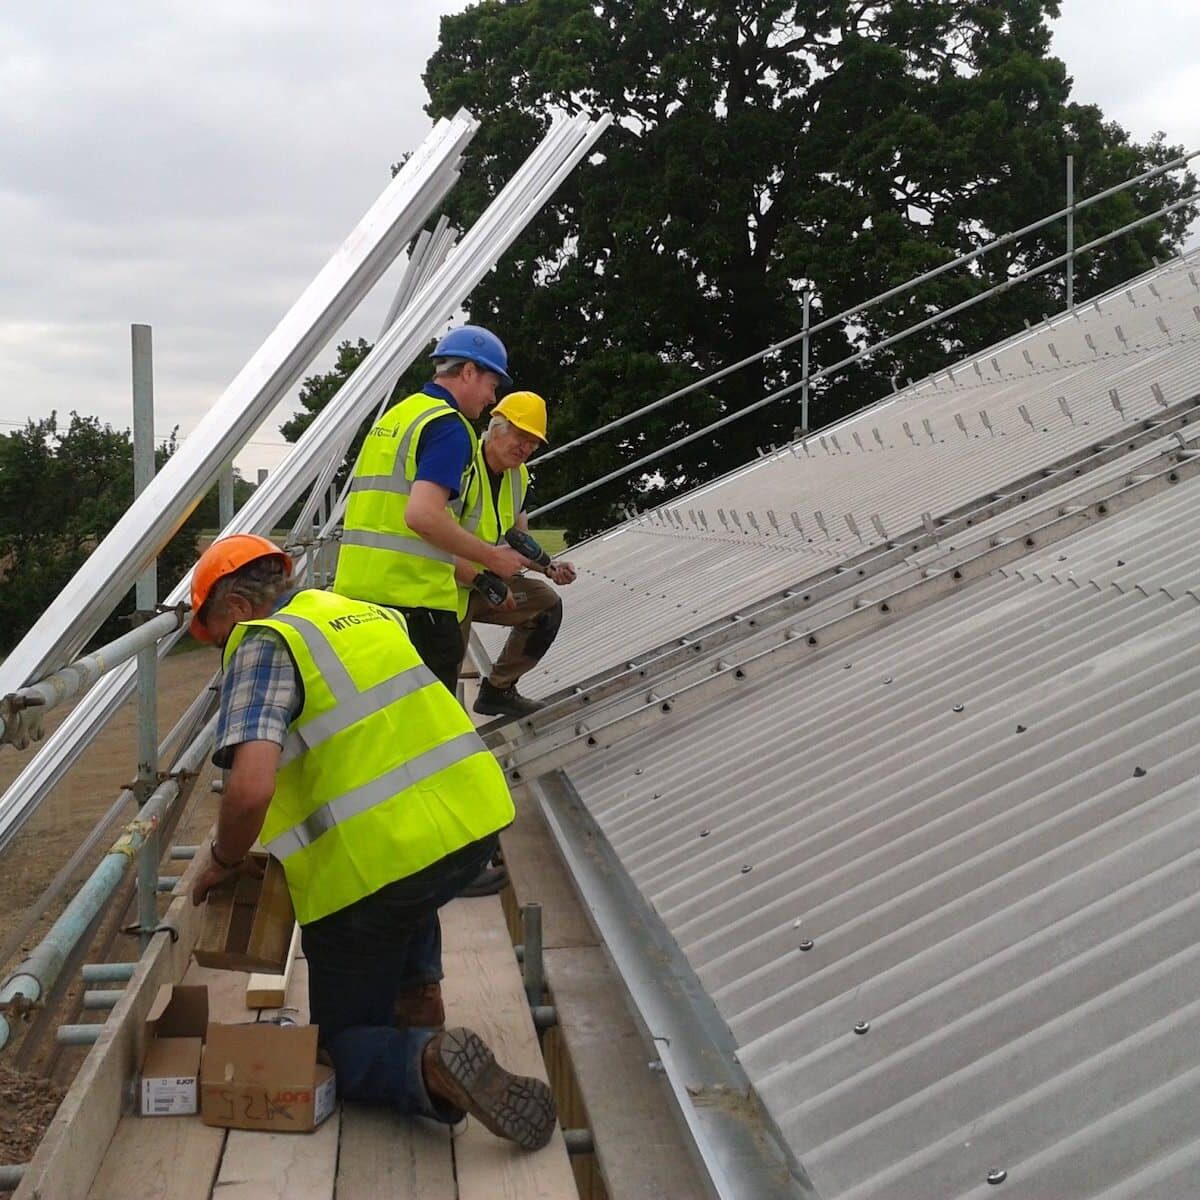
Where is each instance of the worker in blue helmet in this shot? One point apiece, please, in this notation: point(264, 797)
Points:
point(403, 527)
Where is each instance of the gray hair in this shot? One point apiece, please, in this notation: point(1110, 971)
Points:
point(498, 424)
point(260, 583)
point(448, 366)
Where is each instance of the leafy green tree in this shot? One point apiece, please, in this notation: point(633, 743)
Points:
point(316, 391)
point(61, 491)
point(759, 149)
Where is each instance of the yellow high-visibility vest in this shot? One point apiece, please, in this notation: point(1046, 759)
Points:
point(486, 515)
point(382, 772)
point(381, 559)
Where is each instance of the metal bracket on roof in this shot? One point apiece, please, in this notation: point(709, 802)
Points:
point(872, 561)
point(774, 645)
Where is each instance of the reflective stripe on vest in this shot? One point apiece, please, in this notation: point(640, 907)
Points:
point(381, 559)
point(382, 773)
point(481, 515)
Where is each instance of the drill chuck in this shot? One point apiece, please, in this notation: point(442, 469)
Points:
point(524, 543)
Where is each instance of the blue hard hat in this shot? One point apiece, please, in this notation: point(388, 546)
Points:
point(477, 345)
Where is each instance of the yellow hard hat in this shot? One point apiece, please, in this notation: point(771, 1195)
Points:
point(525, 410)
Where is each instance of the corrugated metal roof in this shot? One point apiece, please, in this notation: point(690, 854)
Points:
point(982, 816)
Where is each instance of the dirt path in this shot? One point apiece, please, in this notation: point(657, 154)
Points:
point(52, 835)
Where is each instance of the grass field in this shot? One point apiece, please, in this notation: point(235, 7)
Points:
point(552, 541)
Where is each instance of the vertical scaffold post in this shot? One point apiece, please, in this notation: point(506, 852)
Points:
point(225, 495)
point(1070, 232)
point(804, 361)
point(146, 599)
point(531, 930)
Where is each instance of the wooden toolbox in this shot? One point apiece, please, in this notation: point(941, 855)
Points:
point(247, 926)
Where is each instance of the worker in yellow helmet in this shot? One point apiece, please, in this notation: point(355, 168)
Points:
point(493, 503)
point(363, 776)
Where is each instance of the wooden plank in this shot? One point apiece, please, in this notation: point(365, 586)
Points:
point(265, 990)
point(226, 992)
point(274, 918)
point(154, 1157)
point(384, 1154)
point(483, 991)
point(77, 1140)
point(626, 1105)
point(538, 876)
point(280, 1166)
point(247, 926)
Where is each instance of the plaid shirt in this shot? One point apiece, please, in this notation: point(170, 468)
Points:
point(261, 694)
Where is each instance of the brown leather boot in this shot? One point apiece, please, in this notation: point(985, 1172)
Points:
point(419, 1007)
point(460, 1070)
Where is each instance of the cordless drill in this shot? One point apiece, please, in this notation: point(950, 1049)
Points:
point(491, 587)
point(524, 543)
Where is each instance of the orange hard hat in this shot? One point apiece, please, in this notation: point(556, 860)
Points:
point(222, 558)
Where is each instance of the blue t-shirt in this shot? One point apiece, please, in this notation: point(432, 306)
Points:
point(444, 447)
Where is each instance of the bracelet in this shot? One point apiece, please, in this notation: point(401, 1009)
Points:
point(225, 866)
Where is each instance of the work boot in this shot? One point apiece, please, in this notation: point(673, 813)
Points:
point(503, 702)
point(488, 882)
point(461, 1071)
point(419, 1007)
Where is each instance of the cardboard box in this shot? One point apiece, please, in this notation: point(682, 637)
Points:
point(247, 925)
point(175, 1029)
point(265, 1076)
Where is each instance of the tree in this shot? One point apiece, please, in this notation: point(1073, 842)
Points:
point(759, 149)
point(318, 390)
point(61, 491)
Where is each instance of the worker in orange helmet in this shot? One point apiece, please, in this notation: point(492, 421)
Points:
point(362, 775)
point(494, 502)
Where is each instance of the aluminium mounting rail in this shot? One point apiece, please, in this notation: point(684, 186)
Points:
point(632, 713)
point(747, 621)
point(566, 142)
point(162, 507)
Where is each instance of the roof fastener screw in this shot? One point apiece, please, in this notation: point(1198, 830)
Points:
point(806, 944)
point(847, 666)
point(746, 868)
point(862, 1027)
point(1021, 728)
point(705, 832)
point(637, 770)
point(997, 1176)
point(887, 679)
point(1120, 562)
point(959, 707)
point(1138, 772)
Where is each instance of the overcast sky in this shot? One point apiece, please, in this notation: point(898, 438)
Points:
point(192, 166)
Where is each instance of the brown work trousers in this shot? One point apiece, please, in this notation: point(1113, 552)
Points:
point(534, 620)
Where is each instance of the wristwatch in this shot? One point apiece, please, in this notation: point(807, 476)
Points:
point(225, 866)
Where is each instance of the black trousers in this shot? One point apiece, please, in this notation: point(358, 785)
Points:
point(435, 637)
